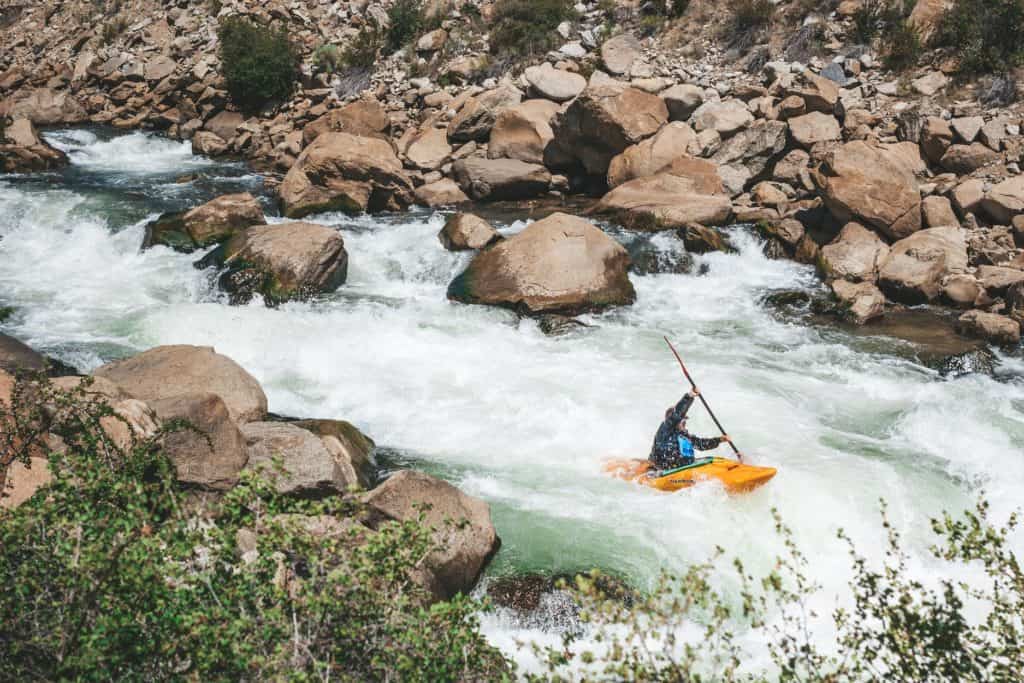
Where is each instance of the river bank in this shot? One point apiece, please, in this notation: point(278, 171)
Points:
point(482, 398)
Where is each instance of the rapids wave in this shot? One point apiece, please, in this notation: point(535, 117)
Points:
point(486, 400)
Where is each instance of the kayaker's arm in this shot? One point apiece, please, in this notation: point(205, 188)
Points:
point(702, 444)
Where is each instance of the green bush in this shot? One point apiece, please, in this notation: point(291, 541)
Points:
point(259, 63)
point(749, 15)
point(328, 59)
point(527, 27)
point(986, 35)
point(671, 8)
point(886, 21)
point(405, 21)
point(113, 572)
point(363, 51)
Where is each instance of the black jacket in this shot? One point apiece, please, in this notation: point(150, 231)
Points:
point(665, 451)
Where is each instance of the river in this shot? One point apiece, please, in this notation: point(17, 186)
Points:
point(524, 420)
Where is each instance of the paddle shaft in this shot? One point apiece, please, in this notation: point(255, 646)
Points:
point(702, 399)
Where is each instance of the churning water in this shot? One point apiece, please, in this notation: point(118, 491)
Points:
point(486, 400)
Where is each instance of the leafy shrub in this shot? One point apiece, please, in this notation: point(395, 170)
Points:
point(259, 63)
point(887, 22)
point(112, 573)
point(363, 50)
point(986, 35)
point(405, 21)
point(328, 59)
point(526, 27)
point(747, 15)
point(671, 8)
point(904, 46)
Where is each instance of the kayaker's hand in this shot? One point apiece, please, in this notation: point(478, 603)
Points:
point(726, 438)
point(695, 392)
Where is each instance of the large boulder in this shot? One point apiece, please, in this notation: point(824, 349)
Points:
point(465, 231)
point(855, 254)
point(352, 450)
point(653, 154)
point(964, 159)
point(689, 190)
point(602, 122)
point(169, 371)
point(861, 302)
point(211, 452)
point(16, 355)
point(224, 124)
point(554, 84)
point(500, 179)
point(748, 154)
point(619, 53)
point(474, 120)
point(682, 100)
point(810, 129)
point(342, 172)
point(523, 131)
point(206, 224)
point(365, 117)
point(1005, 200)
point(44, 107)
point(286, 261)
point(561, 264)
point(992, 327)
point(863, 183)
point(817, 92)
point(429, 150)
point(463, 534)
point(916, 266)
point(23, 151)
point(307, 468)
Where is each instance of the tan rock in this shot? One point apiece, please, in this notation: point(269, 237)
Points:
point(682, 100)
point(561, 264)
point(926, 18)
point(474, 120)
point(554, 84)
point(168, 371)
point(817, 92)
point(810, 129)
point(992, 327)
point(619, 53)
point(917, 265)
point(968, 195)
point(206, 224)
point(1005, 200)
point(998, 279)
point(44, 107)
point(342, 172)
point(860, 182)
point(653, 154)
point(351, 449)
point(727, 117)
point(937, 212)
point(307, 468)
point(430, 149)
point(965, 159)
point(444, 192)
point(861, 301)
point(855, 254)
point(500, 179)
point(225, 124)
point(466, 231)
point(365, 117)
point(936, 137)
point(688, 191)
point(523, 131)
point(961, 290)
point(208, 143)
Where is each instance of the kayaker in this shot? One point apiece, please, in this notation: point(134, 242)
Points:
point(673, 444)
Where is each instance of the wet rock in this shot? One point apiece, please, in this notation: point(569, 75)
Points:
point(855, 255)
point(861, 302)
point(168, 371)
point(463, 533)
point(653, 154)
point(555, 325)
point(291, 260)
point(342, 172)
point(501, 179)
point(23, 151)
point(866, 184)
point(209, 223)
point(700, 239)
point(211, 452)
point(977, 362)
point(992, 327)
point(307, 468)
point(465, 231)
point(602, 122)
point(917, 265)
point(523, 131)
point(649, 258)
point(561, 264)
point(688, 191)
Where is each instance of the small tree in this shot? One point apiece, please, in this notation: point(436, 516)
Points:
point(259, 63)
point(526, 27)
point(985, 35)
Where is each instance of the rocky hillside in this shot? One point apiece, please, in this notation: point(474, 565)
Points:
point(833, 127)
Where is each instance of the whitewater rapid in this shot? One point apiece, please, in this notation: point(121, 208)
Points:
point(484, 399)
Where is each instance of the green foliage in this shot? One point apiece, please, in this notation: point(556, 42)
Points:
point(896, 623)
point(258, 62)
point(527, 27)
point(672, 9)
point(214, 6)
point(363, 50)
point(5, 311)
point(985, 35)
point(886, 21)
point(405, 21)
point(111, 572)
point(328, 59)
point(749, 15)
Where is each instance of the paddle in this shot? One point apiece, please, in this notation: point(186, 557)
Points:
point(702, 399)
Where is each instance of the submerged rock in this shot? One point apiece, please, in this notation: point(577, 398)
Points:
point(561, 264)
point(209, 223)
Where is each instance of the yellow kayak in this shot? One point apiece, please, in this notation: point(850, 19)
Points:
point(736, 476)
